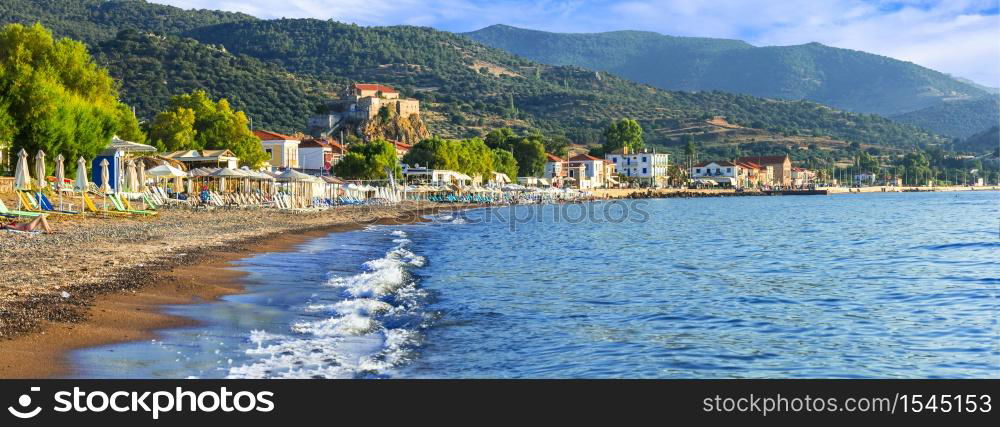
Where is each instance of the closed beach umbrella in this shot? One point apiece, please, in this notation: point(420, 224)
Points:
point(105, 185)
point(81, 178)
point(60, 177)
point(130, 176)
point(105, 177)
point(142, 175)
point(81, 175)
point(40, 168)
point(60, 172)
point(22, 176)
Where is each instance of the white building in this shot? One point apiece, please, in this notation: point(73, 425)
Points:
point(647, 166)
point(731, 174)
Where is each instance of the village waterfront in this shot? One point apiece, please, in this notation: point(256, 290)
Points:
point(867, 285)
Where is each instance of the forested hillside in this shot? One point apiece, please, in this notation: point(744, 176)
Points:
point(279, 70)
point(959, 119)
point(153, 68)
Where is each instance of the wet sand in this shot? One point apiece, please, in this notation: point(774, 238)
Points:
point(40, 327)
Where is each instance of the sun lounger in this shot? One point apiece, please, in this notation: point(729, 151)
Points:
point(47, 206)
point(89, 206)
point(119, 203)
point(14, 213)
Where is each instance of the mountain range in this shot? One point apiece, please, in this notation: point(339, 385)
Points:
point(846, 79)
point(280, 71)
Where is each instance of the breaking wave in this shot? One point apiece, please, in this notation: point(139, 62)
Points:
point(375, 327)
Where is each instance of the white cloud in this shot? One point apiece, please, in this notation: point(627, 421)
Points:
point(951, 36)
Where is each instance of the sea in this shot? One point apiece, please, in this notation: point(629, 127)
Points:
point(899, 285)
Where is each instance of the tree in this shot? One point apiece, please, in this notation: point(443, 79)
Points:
point(504, 162)
point(502, 138)
point(435, 153)
point(475, 159)
point(623, 133)
point(215, 125)
point(558, 145)
point(690, 150)
point(129, 130)
point(530, 155)
point(369, 161)
point(173, 130)
point(55, 98)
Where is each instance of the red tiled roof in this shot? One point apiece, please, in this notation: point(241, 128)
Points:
point(553, 158)
point(583, 158)
point(375, 87)
point(264, 135)
point(400, 145)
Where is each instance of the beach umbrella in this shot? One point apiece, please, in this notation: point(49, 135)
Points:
point(22, 176)
point(130, 176)
point(40, 168)
point(142, 175)
point(60, 177)
point(105, 177)
point(81, 178)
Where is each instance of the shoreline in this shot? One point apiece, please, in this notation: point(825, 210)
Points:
point(670, 193)
point(130, 305)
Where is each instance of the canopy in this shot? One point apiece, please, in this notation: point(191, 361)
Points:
point(227, 173)
point(292, 175)
point(166, 171)
point(130, 147)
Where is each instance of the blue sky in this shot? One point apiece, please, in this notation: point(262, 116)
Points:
point(959, 37)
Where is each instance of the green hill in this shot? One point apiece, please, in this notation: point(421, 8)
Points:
point(959, 119)
point(987, 141)
point(154, 68)
point(842, 78)
point(278, 71)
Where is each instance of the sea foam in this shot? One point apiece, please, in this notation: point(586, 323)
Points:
point(349, 338)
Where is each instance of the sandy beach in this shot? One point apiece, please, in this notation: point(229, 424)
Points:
point(100, 280)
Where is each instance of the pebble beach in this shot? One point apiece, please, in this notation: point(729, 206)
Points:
point(56, 277)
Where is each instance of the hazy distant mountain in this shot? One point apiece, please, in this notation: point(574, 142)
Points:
point(842, 78)
point(958, 119)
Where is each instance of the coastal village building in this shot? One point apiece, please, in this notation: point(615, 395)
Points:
point(555, 169)
point(647, 166)
point(731, 174)
point(366, 99)
point(317, 156)
point(581, 171)
point(802, 177)
point(282, 150)
point(782, 167)
point(401, 148)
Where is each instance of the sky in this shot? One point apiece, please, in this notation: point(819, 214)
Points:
point(958, 37)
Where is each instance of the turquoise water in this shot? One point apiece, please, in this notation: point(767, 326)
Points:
point(880, 285)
